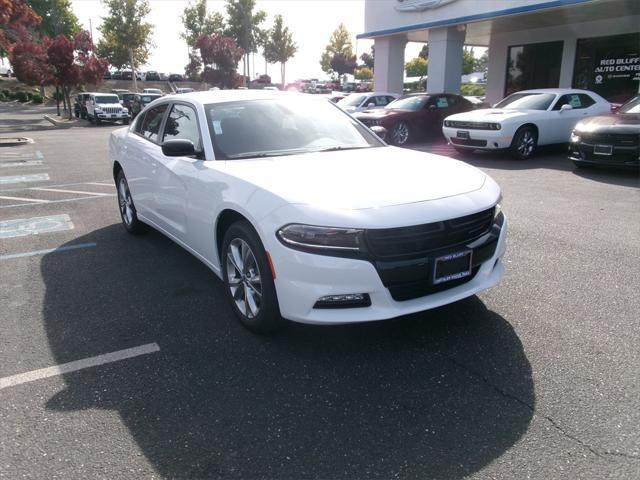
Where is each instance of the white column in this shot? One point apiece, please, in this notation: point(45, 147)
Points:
point(568, 62)
point(497, 69)
point(388, 72)
point(445, 59)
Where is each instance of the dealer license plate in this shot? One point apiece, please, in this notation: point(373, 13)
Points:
point(452, 267)
point(113, 115)
point(603, 149)
point(462, 134)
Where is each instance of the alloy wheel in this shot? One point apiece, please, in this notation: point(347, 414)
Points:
point(243, 278)
point(526, 143)
point(400, 133)
point(125, 201)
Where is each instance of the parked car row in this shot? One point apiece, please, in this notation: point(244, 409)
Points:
point(149, 76)
point(119, 105)
point(520, 123)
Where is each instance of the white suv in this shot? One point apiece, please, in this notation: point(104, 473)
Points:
point(106, 106)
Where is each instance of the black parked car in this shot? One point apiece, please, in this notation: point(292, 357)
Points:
point(176, 77)
point(80, 105)
point(117, 75)
point(106, 75)
point(141, 100)
point(608, 140)
point(152, 76)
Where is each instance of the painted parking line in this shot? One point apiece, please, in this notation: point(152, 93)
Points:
point(15, 155)
point(98, 194)
point(24, 199)
point(58, 185)
point(21, 227)
point(36, 177)
point(36, 253)
point(101, 184)
point(21, 163)
point(51, 202)
point(78, 365)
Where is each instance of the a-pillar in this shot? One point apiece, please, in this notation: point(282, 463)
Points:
point(388, 72)
point(444, 70)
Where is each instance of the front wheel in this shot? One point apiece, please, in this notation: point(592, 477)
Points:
point(127, 208)
point(524, 143)
point(400, 133)
point(249, 280)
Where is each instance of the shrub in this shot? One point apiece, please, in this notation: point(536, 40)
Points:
point(3, 97)
point(6, 92)
point(29, 96)
point(473, 90)
point(37, 98)
point(22, 96)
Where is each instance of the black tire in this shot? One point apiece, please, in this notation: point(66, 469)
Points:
point(83, 115)
point(400, 133)
point(524, 143)
point(129, 217)
point(77, 115)
point(267, 317)
point(98, 121)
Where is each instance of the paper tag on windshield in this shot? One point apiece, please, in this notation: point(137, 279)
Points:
point(217, 128)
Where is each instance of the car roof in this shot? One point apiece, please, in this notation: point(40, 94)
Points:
point(222, 96)
point(557, 91)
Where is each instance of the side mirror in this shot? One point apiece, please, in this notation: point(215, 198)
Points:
point(432, 107)
point(371, 105)
point(178, 148)
point(380, 131)
point(566, 107)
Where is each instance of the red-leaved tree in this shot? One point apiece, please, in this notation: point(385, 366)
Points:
point(220, 56)
point(16, 18)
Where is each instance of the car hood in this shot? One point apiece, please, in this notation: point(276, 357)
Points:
point(493, 115)
point(359, 179)
point(621, 122)
point(108, 105)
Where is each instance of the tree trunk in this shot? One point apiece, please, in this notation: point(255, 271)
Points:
point(57, 101)
point(67, 94)
point(133, 71)
point(282, 64)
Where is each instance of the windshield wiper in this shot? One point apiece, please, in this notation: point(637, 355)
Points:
point(337, 148)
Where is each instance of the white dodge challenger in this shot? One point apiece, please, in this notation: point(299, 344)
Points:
point(303, 212)
point(524, 120)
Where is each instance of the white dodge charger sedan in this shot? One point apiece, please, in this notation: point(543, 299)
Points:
point(524, 120)
point(303, 212)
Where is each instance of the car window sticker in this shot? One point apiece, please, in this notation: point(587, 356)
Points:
point(575, 101)
point(217, 128)
point(442, 102)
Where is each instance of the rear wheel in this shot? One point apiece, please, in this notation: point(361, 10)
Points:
point(248, 278)
point(400, 133)
point(524, 143)
point(127, 208)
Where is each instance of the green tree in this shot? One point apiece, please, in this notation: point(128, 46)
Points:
point(468, 61)
point(339, 46)
point(196, 21)
point(57, 17)
point(279, 45)
point(482, 63)
point(424, 52)
point(416, 67)
point(368, 59)
point(244, 25)
point(126, 36)
point(363, 73)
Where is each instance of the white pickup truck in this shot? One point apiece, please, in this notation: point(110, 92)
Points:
point(106, 106)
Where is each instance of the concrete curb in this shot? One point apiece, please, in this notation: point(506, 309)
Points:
point(14, 141)
point(58, 123)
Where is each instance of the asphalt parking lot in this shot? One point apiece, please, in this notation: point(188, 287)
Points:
point(537, 378)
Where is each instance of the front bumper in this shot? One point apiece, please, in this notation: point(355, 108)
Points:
point(621, 156)
point(112, 116)
point(303, 278)
point(479, 139)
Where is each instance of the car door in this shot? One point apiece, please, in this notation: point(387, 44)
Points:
point(562, 121)
point(434, 113)
point(174, 174)
point(143, 149)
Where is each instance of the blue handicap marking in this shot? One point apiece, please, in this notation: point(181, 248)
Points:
point(36, 177)
point(21, 227)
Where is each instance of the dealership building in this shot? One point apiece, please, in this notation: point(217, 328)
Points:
point(590, 44)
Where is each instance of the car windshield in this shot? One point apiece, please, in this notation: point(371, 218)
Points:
point(107, 99)
point(413, 102)
point(632, 106)
point(527, 101)
point(149, 98)
point(352, 100)
point(283, 126)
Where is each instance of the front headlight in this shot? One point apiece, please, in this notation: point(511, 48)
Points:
point(309, 237)
point(98, 110)
point(498, 207)
point(495, 126)
point(575, 137)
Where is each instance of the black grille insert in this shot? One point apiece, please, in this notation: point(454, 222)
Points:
point(420, 239)
point(616, 139)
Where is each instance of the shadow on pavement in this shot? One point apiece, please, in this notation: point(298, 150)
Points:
point(435, 395)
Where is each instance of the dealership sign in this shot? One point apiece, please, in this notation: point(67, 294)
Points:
point(627, 67)
point(420, 5)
